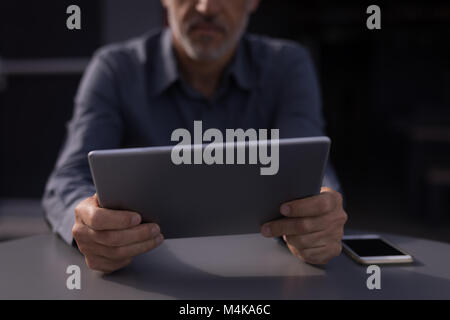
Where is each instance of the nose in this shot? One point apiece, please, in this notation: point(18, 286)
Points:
point(209, 7)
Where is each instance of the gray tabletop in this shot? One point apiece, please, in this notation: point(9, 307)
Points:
point(225, 267)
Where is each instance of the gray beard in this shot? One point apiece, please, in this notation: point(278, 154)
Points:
point(198, 54)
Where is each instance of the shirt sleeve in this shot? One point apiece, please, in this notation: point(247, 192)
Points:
point(96, 124)
point(300, 111)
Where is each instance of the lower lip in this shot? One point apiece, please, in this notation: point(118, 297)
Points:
point(206, 30)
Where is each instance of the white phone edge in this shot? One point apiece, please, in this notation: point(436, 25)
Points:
point(405, 258)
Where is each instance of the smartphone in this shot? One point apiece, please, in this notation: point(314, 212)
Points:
point(373, 249)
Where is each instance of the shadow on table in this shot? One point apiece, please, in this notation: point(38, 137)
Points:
point(182, 275)
point(172, 272)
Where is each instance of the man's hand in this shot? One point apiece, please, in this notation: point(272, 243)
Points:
point(313, 227)
point(109, 239)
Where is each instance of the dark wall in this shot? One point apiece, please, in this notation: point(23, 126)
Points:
point(36, 29)
point(35, 108)
point(379, 87)
point(33, 116)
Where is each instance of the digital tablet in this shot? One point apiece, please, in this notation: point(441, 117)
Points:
point(205, 199)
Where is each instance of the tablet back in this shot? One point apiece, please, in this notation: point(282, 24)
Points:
point(204, 200)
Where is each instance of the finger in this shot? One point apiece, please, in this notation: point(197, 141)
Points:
point(116, 238)
point(80, 232)
point(313, 206)
point(321, 255)
point(105, 265)
point(315, 239)
point(104, 219)
point(119, 253)
point(313, 255)
point(312, 240)
point(295, 226)
point(120, 238)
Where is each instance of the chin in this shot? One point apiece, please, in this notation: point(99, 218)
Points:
point(207, 54)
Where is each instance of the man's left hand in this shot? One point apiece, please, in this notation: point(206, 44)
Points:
point(313, 227)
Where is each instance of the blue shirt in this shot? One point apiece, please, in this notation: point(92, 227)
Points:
point(133, 95)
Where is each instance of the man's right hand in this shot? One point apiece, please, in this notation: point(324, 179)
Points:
point(109, 239)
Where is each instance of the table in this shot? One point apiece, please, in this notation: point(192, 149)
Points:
point(223, 267)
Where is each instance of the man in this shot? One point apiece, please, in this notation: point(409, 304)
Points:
point(202, 68)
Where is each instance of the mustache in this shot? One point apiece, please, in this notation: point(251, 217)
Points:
point(209, 21)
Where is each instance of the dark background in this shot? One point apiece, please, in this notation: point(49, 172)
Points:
point(386, 97)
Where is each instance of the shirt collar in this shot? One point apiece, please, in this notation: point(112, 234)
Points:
point(240, 67)
point(164, 71)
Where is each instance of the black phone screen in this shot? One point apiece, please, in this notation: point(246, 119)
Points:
point(371, 247)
